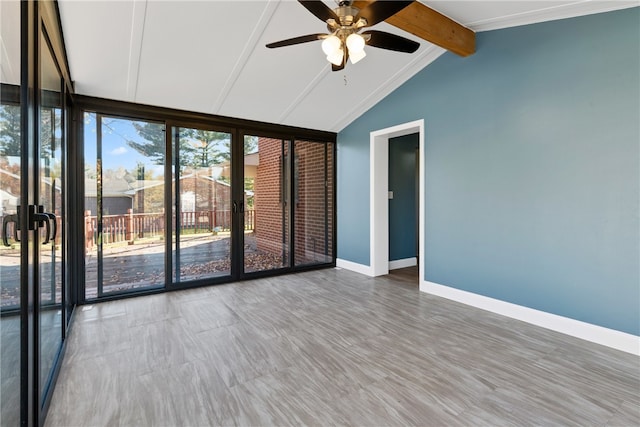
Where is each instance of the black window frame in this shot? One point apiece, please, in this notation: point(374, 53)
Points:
point(238, 128)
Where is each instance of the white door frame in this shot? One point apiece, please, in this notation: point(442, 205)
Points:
point(379, 195)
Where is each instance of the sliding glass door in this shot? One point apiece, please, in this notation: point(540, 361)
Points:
point(202, 204)
point(10, 262)
point(33, 209)
point(313, 202)
point(11, 172)
point(288, 203)
point(266, 203)
point(50, 215)
point(124, 218)
point(171, 204)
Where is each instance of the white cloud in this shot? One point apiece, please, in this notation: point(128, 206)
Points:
point(118, 151)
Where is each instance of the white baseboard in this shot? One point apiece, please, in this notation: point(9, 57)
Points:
point(403, 263)
point(609, 337)
point(353, 266)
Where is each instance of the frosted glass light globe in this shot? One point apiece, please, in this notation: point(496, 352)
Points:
point(330, 45)
point(357, 56)
point(355, 43)
point(336, 57)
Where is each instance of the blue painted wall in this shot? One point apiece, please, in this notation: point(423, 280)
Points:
point(403, 206)
point(532, 168)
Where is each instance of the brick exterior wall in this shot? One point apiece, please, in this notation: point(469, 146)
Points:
point(308, 198)
point(310, 215)
point(267, 198)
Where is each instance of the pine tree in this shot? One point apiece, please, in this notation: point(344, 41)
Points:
point(153, 147)
point(198, 148)
point(10, 130)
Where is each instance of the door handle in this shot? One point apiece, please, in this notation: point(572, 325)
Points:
point(5, 223)
point(54, 227)
point(37, 219)
point(238, 207)
point(43, 218)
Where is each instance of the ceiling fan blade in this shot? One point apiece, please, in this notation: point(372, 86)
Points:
point(320, 10)
point(296, 40)
point(391, 41)
point(432, 26)
point(380, 10)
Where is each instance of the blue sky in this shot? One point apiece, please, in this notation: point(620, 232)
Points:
point(116, 152)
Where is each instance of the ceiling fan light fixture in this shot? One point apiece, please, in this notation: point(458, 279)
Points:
point(343, 25)
point(336, 57)
point(331, 45)
point(355, 43)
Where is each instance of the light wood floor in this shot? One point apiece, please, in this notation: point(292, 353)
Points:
point(331, 347)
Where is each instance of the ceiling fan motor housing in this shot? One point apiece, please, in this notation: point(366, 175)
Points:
point(347, 14)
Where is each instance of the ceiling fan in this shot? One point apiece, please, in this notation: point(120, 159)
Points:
point(345, 39)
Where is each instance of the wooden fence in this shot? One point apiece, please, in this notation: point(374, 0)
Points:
point(130, 226)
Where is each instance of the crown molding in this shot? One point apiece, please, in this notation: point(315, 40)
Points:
point(552, 13)
point(431, 53)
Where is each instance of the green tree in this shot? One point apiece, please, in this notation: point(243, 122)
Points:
point(198, 148)
point(153, 145)
point(9, 130)
point(50, 131)
point(204, 148)
point(250, 144)
point(10, 139)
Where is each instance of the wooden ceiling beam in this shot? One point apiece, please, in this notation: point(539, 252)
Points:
point(432, 26)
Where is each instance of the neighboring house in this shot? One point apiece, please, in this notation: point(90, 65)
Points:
point(10, 191)
point(200, 190)
point(50, 195)
point(119, 194)
point(8, 202)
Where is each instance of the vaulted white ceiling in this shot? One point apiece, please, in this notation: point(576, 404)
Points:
point(210, 56)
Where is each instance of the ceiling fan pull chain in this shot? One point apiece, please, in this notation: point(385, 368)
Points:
point(345, 79)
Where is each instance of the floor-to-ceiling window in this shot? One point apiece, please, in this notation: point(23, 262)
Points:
point(124, 205)
point(173, 201)
point(266, 187)
point(50, 192)
point(313, 202)
point(34, 304)
point(202, 204)
point(10, 196)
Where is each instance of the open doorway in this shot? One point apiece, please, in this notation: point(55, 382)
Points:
point(403, 207)
point(379, 195)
